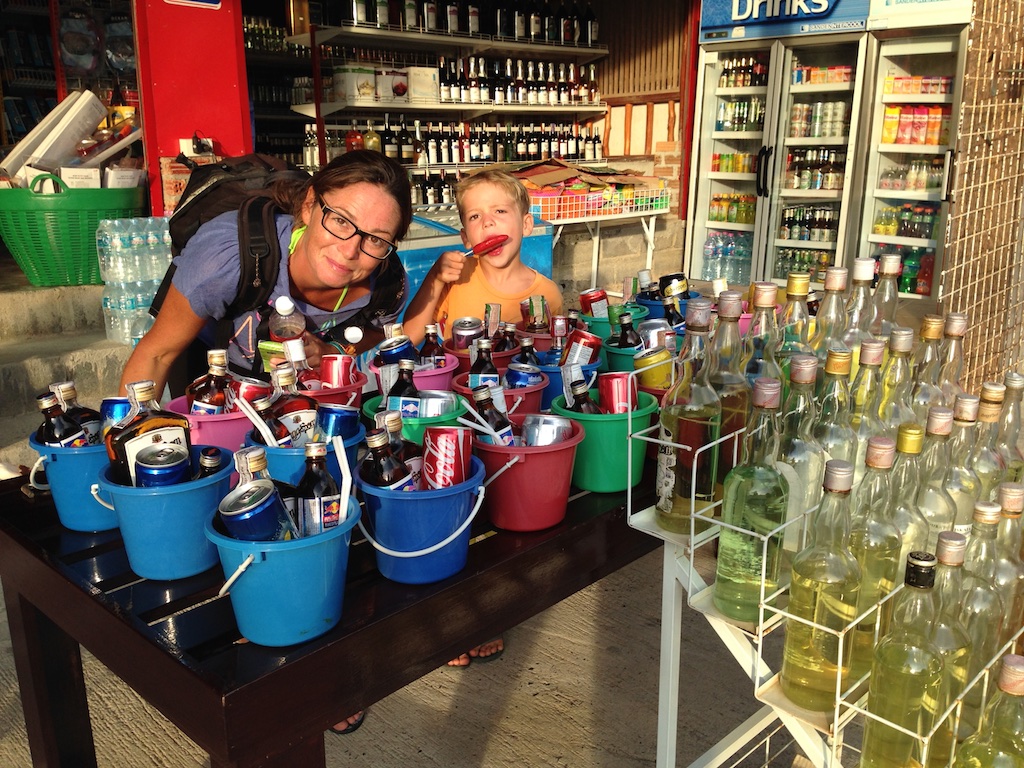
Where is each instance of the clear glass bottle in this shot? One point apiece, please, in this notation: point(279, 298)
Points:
point(691, 416)
point(754, 499)
point(865, 397)
point(761, 338)
point(875, 542)
point(286, 322)
point(1009, 570)
point(883, 303)
point(317, 502)
point(1009, 428)
point(906, 482)
point(1000, 742)
point(952, 356)
point(905, 687)
point(89, 419)
point(925, 390)
point(725, 361)
point(832, 428)
point(933, 499)
point(824, 590)
point(985, 459)
point(794, 322)
point(894, 407)
point(961, 481)
point(291, 407)
point(859, 309)
point(830, 322)
point(144, 425)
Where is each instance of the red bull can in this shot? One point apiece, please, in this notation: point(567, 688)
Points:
point(522, 375)
point(113, 410)
point(162, 464)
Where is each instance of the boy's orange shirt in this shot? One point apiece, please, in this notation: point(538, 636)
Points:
point(468, 296)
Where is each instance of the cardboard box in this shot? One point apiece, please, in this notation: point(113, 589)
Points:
point(80, 178)
point(354, 83)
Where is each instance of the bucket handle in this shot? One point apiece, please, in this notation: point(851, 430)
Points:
point(516, 404)
point(95, 491)
point(249, 560)
point(508, 464)
point(441, 544)
point(32, 475)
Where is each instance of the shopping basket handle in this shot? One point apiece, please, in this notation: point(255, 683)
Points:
point(61, 186)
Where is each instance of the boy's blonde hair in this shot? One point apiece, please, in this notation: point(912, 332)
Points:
point(501, 178)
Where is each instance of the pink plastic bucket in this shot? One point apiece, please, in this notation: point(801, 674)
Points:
point(350, 394)
point(225, 430)
point(501, 359)
point(529, 397)
point(436, 379)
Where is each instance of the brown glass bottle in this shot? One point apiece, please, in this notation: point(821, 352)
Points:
point(380, 467)
point(88, 418)
point(484, 404)
point(406, 451)
point(483, 370)
point(58, 428)
point(403, 395)
point(292, 408)
point(628, 337)
point(527, 353)
point(207, 394)
point(581, 402)
point(146, 424)
point(317, 503)
point(210, 461)
point(280, 431)
point(431, 352)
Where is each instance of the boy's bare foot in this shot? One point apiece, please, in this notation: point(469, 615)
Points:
point(488, 651)
point(462, 660)
point(349, 724)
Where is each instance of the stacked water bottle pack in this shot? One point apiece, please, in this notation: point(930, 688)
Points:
point(134, 255)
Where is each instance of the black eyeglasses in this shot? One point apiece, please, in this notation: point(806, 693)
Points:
point(342, 228)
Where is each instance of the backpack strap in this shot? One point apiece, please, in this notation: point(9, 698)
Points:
point(259, 254)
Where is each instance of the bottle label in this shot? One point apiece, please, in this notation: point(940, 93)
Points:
point(479, 379)
point(415, 467)
point(132, 446)
point(409, 407)
point(206, 409)
point(964, 529)
point(405, 484)
point(318, 514)
point(507, 438)
point(77, 440)
point(93, 431)
point(665, 481)
point(300, 425)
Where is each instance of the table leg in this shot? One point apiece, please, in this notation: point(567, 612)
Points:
point(305, 754)
point(49, 666)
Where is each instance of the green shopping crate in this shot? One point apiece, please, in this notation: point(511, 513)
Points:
point(53, 236)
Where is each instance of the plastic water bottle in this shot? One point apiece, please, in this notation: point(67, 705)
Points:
point(709, 270)
point(286, 322)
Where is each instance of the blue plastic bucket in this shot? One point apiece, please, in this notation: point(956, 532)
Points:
point(657, 309)
point(554, 386)
point(422, 536)
point(288, 464)
point(70, 473)
point(290, 591)
point(162, 527)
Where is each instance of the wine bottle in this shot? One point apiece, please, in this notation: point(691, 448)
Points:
point(388, 139)
point(925, 390)
point(933, 499)
point(144, 425)
point(372, 139)
point(588, 27)
point(406, 150)
point(999, 742)
point(906, 483)
point(865, 395)
point(353, 139)
point(380, 467)
point(761, 339)
point(57, 428)
point(318, 505)
point(961, 481)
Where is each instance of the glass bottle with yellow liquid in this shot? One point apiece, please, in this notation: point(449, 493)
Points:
point(824, 590)
point(830, 322)
point(794, 323)
point(859, 309)
point(691, 417)
point(865, 396)
point(1009, 567)
point(725, 357)
point(762, 336)
point(1000, 742)
point(894, 406)
point(1009, 427)
point(952, 353)
point(961, 481)
point(933, 499)
point(924, 389)
point(832, 428)
point(906, 482)
point(985, 458)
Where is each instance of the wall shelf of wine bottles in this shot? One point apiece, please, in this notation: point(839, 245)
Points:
point(470, 111)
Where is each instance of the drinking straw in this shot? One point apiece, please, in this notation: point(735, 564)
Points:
point(246, 407)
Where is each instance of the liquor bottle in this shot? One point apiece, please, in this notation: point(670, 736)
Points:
point(905, 687)
point(673, 318)
point(905, 481)
point(318, 505)
point(388, 139)
point(950, 637)
point(208, 394)
point(985, 458)
point(925, 390)
point(588, 26)
point(794, 322)
point(725, 358)
point(371, 139)
point(263, 407)
point(452, 15)
point(503, 20)
point(89, 419)
point(527, 354)
point(858, 308)
point(144, 425)
point(484, 405)
point(830, 322)
point(824, 589)
point(553, 87)
point(875, 542)
point(832, 428)
point(431, 352)
point(306, 378)
point(1009, 428)
point(894, 405)
point(982, 611)
point(353, 139)
point(552, 27)
point(406, 451)
point(761, 339)
point(568, 23)
point(933, 499)
point(380, 467)
point(1009, 569)
point(472, 25)
point(754, 499)
point(999, 741)
point(483, 370)
point(865, 396)
point(210, 460)
point(628, 337)
point(381, 13)
point(406, 151)
point(286, 322)
point(474, 82)
point(961, 481)
point(57, 428)
point(691, 417)
point(952, 354)
point(410, 15)
point(594, 91)
point(403, 395)
point(581, 400)
point(292, 408)
point(419, 147)
point(883, 303)
point(429, 21)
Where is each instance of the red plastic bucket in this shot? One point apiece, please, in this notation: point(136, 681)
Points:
point(350, 394)
point(541, 341)
point(500, 359)
point(532, 492)
point(529, 397)
point(438, 378)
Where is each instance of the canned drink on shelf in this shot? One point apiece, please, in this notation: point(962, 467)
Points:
point(113, 409)
point(247, 388)
point(617, 392)
point(334, 420)
point(397, 348)
point(255, 511)
point(465, 331)
point(162, 464)
point(594, 302)
point(446, 456)
point(522, 375)
point(655, 367)
point(542, 429)
point(581, 348)
point(337, 370)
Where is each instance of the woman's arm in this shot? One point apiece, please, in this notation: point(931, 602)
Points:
point(446, 270)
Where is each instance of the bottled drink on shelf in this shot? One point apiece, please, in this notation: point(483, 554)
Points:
point(380, 467)
point(933, 499)
point(57, 428)
point(89, 419)
point(483, 402)
point(372, 139)
point(263, 407)
point(353, 139)
point(999, 740)
point(292, 408)
point(318, 505)
point(961, 480)
point(144, 425)
point(286, 322)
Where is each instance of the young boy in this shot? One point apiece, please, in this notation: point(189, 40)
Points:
point(491, 202)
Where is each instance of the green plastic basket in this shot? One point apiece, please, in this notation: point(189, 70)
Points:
point(53, 236)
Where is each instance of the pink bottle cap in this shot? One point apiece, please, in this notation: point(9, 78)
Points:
point(881, 452)
point(767, 392)
point(872, 351)
point(987, 512)
point(940, 420)
point(1011, 676)
point(835, 278)
point(901, 340)
point(698, 313)
point(956, 324)
point(764, 294)
point(1011, 498)
point(730, 304)
point(838, 475)
point(803, 369)
point(966, 407)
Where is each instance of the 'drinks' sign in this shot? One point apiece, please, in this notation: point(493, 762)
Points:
point(745, 19)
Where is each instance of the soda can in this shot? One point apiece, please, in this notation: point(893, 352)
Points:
point(437, 402)
point(336, 370)
point(162, 464)
point(652, 374)
point(594, 302)
point(245, 387)
point(649, 328)
point(617, 392)
point(542, 429)
point(255, 511)
point(334, 420)
point(446, 456)
point(466, 330)
point(397, 348)
point(113, 410)
point(522, 375)
point(581, 347)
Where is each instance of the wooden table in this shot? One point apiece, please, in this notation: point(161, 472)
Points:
point(176, 643)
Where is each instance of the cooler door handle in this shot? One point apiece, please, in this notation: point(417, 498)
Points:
point(768, 152)
point(758, 189)
point(947, 176)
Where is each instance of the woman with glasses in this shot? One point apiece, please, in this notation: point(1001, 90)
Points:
point(338, 235)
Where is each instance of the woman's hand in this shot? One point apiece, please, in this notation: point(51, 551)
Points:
point(316, 348)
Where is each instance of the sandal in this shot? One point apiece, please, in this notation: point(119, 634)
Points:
point(351, 727)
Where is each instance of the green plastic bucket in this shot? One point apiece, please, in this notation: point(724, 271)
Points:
point(412, 428)
point(617, 359)
point(601, 326)
point(601, 457)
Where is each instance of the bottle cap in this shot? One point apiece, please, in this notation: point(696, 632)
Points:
point(901, 340)
point(1011, 676)
point(217, 357)
point(626, 317)
point(210, 457)
point(993, 392)
point(730, 304)
point(294, 350)
point(353, 334)
point(1013, 381)
point(764, 295)
point(579, 388)
point(314, 449)
point(838, 362)
point(965, 408)
point(889, 264)
point(261, 403)
point(644, 277)
point(143, 391)
point(483, 343)
point(46, 400)
point(910, 438)
point(218, 370)
point(1011, 498)
point(284, 374)
point(803, 369)
point(64, 390)
point(881, 452)
point(526, 341)
point(863, 270)
point(392, 421)
point(253, 459)
point(940, 420)
point(798, 284)
point(987, 512)
point(378, 437)
point(509, 327)
point(956, 324)
point(838, 475)
point(931, 327)
point(405, 364)
point(481, 393)
point(767, 392)
point(835, 278)
point(920, 570)
point(284, 305)
point(950, 548)
point(872, 351)
point(698, 314)
point(430, 328)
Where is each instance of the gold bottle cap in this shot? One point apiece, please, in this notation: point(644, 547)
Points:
point(863, 270)
point(993, 392)
point(881, 452)
point(730, 304)
point(889, 264)
point(872, 351)
point(764, 294)
point(798, 284)
point(949, 550)
point(910, 438)
point(376, 438)
point(965, 408)
point(838, 475)
point(838, 362)
point(1013, 381)
point(251, 459)
point(314, 449)
point(483, 343)
point(940, 420)
point(803, 369)
point(767, 392)
point(261, 403)
point(392, 421)
point(835, 278)
point(1011, 676)
point(430, 328)
point(65, 390)
point(956, 324)
point(698, 313)
point(217, 357)
point(931, 327)
point(987, 512)
point(46, 400)
point(901, 340)
point(1011, 498)
point(405, 364)
point(218, 370)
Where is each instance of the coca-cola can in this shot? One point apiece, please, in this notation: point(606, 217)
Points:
point(247, 387)
point(616, 392)
point(446, 456)
point(594, 302)
point(336, 370)
point(465, 331)
point(542, 429)
point(581, 347)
